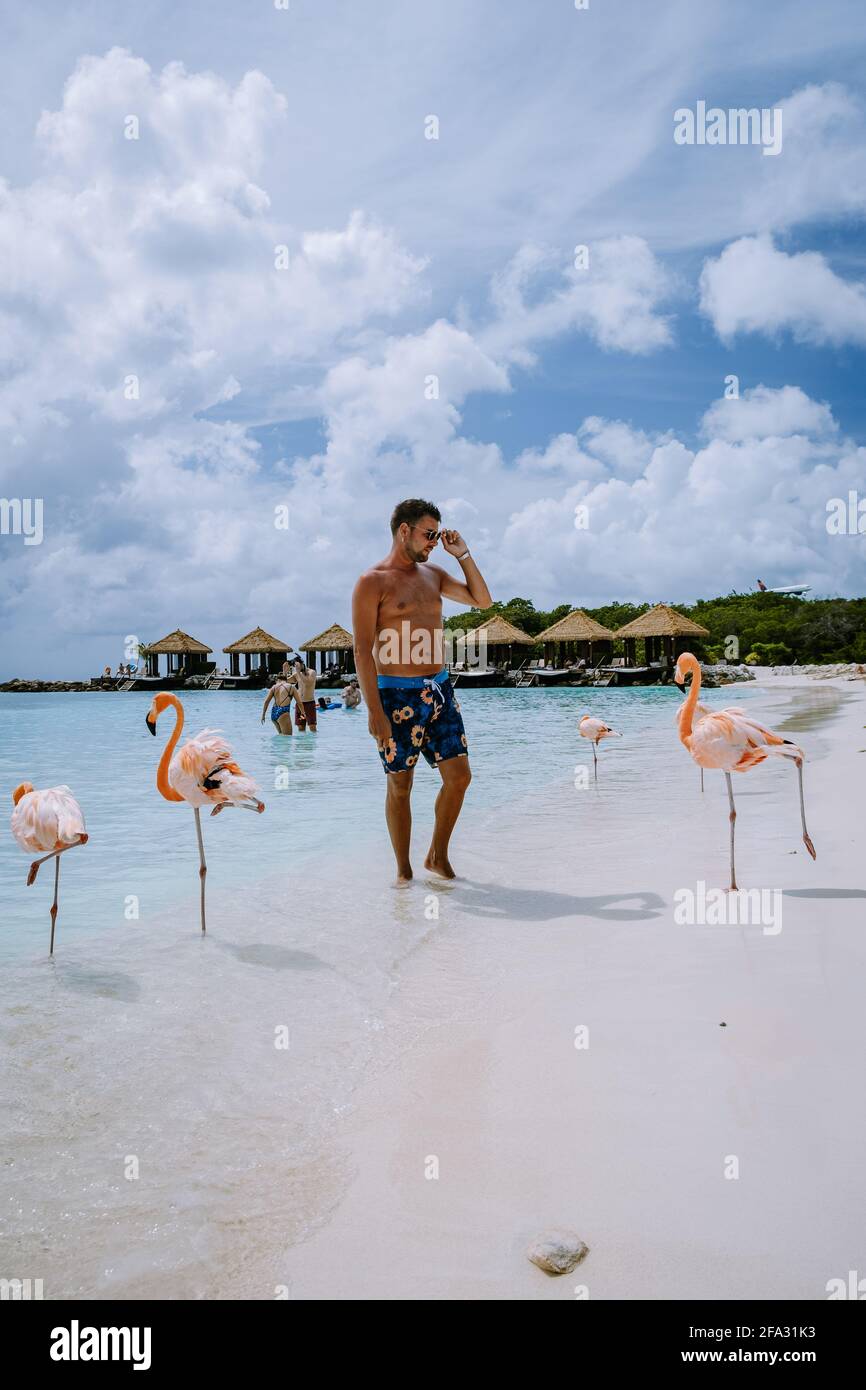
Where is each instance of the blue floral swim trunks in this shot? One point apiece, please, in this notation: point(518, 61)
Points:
point(425, 718)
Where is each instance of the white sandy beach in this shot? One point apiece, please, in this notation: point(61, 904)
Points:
point(626, 1142)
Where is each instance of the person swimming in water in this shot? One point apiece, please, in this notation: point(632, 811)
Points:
point(281, 692)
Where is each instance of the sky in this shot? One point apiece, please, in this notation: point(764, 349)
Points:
point(302, 260)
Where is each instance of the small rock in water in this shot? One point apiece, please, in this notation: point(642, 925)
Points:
point(557, 1252)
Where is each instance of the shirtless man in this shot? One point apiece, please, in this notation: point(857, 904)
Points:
point(304, 680)
point(399, 658)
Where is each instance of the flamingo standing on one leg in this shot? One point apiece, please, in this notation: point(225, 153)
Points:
point(50, 820)
point(202, 773)
point(730, 740)
point(596, 730)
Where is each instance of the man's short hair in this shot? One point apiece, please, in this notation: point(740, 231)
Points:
point(411, 511)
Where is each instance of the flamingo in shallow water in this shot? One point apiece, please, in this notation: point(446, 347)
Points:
point(50, 820)
point(730, 740)
point(202, 773)
point(596, 730)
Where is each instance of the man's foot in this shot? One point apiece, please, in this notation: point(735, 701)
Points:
point(404, 877)
point(436, 864)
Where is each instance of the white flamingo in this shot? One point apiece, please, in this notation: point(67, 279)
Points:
point(595, 729)
point(52, 820)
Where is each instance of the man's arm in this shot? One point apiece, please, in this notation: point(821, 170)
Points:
point(365, 614)
point(474, 592)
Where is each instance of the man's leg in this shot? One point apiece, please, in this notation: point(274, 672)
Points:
point(398, 814)
point(456, 776)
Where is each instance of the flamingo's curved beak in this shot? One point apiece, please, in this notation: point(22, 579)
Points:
point(151, 723)
point(680, 685)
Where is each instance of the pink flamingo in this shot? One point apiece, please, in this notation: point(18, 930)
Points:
point(699, 709)
point(596, 730)
point(50, 820)
point(202, 773)
point(730, 740)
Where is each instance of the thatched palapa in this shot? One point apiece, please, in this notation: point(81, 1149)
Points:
point(335, 639)
point(496, 637)
point(184, 653)
point(575, 637)
point(664, 631)
point(271, 651)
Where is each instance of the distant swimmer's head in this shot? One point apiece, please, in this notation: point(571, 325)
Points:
point(415, 528)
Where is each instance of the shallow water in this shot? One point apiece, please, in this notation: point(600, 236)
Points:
point(159, 1138)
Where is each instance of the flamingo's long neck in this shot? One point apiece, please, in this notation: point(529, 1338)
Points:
point(162, 782)
point(691, 700)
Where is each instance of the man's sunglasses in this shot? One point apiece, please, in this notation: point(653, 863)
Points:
point(431, 535)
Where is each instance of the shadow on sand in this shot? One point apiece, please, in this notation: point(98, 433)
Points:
point(539, 905)
point(104, 984)
point(275, 957)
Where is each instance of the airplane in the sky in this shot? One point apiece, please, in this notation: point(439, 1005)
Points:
point(786, 589)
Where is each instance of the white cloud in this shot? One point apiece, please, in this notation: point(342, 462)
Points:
point(615, 300)
point(699, 521)
point(753, 287)
point(155, 258)
point(763, 411)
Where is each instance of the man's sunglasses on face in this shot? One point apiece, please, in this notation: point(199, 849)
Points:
point(431, 535)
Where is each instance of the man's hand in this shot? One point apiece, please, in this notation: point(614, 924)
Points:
point(379, 726)
point(453, 542)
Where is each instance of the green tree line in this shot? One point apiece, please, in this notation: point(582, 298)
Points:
point(768, 628)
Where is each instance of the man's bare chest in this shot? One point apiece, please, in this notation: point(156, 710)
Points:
point(413, 599)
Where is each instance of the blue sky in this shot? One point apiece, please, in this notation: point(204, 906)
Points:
point(151, 260)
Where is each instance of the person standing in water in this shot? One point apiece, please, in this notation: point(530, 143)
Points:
point(399, 658)
point(304, 681)
point(281, 693)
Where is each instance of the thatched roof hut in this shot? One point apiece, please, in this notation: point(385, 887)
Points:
point(573, 637)
point(183, 652)
point(491, 643)
point(499, 631)
point(335, 639)
point(271, 651)
point(576, 626)
point(662, 621)
point(664, 632)
point(179, 641)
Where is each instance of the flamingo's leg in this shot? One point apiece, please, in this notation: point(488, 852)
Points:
point(54, 904)
point(702, 779)
point(806, 837)
point(732, 817)
point(202, 873)
point(34, 867)
point(595, 762)
point(257, 806)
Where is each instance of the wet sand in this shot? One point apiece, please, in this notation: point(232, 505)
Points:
point(706, 1143)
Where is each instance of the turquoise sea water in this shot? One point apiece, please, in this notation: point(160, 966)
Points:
point(214, 1069)
point(323, 792)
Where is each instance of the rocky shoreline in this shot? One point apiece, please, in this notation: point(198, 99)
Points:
point(717, 674)
point(36, 687)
